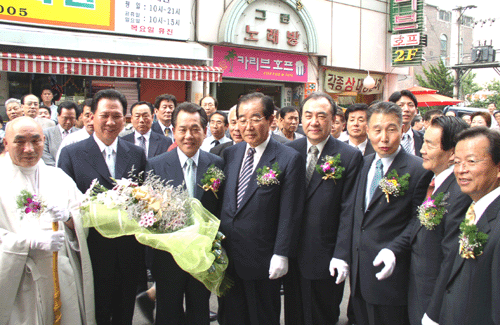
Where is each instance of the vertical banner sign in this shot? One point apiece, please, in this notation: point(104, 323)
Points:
point(169, 19)
point(407, 25)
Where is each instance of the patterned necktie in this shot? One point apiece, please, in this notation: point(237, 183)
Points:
point(470, 215)
point(167, 131)
point(312, 159)
point(379, 173)
point(142, 142)
point(245, 174)
point(190, 179)
point(406, 143)
point(430, 189)
point(110, 161)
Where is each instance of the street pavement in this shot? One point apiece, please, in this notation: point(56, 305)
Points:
point(139, 318)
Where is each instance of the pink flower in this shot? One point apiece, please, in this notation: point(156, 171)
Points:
point(429, 203)
point(326, 167)
point(216, 184)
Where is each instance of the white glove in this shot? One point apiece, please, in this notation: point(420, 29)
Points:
point(58, 214)
point(278, 266)
point(387, 257)
point(47, 240)
point(427, 321)
point(341, 267)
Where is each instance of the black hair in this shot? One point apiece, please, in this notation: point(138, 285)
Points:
point(167, 97)
point(355, 108)
point(450, 127)
point(142, 102)
point(109, 94)
point(492, 136)
point(396, 96)
point(216, 103)
point(318, 95)
point(266, 101)
point(221, 113)
point(190, 108)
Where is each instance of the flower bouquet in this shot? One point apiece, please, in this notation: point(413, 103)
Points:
point(163, 217)
point(432, 210)
point(330, 169)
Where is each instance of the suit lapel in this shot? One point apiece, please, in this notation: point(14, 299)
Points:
point(399, 164)
point(202, 167)
point(122, 159)
point(363, 181)
point(95, 159)
point(316, 178)
point(153, 145)
point(267, 159)
point(485, 224)
point(233, 168)
point(173, 169)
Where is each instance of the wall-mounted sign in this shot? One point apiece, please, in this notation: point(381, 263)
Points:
point(262, 65)
point(168, 19)
point(407, 26)
point(340, 81)
point(309, 88)
point(272, 24)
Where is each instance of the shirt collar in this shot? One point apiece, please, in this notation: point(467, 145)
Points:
point(410, 133)
point(146, 135)
point(163, 126)
point(61, 129)
point(483, 203)
point(183, 158)
point(320, 146)
point(439, 179)
point(387, 161)
point(259, 150)
point(102, 146)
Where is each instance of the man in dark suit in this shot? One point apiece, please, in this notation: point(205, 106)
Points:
point(472, 289)
point(67, 114)
point(260, 215)
point(152, 142)
point(321, 296)
point(430, 247)
point(356, 117)
point(378, 219)
point(117, 263)
point(164, 107)
point(172, 283)
point(411, 140)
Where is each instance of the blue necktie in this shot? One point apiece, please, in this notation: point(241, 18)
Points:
point(379, 173)
point(190, 176)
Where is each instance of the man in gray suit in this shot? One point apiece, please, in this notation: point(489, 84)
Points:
point(67, 113)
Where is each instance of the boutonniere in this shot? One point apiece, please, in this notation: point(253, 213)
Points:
point(30, 204)
point(212, 179)
point(330, 168)
point(430, 213)
point(394, 185)
point(268, 176)
point(471, 240)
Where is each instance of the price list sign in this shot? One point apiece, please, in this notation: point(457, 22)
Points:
point(168, 19)
point(157, 18)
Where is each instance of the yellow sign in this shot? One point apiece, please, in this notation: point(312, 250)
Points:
point(90, 14)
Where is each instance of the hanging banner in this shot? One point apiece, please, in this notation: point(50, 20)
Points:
point(169, 19)
point(340, 81)
point(407, 25)
point(262, 65)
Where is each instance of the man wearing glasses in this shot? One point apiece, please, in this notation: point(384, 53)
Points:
point(30, 105)
point(261, 215)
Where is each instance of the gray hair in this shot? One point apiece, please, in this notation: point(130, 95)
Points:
point(12, 100)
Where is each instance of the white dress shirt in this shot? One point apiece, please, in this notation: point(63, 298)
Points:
point(361, 146)
point(183, 159)
point(386, 163)
point(146, 136)
point(483, 203)
point(208, 143)
point(439, 179)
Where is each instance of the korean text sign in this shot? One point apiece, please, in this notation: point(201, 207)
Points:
point(339, 81)
point(261, 65)
point(153, 18)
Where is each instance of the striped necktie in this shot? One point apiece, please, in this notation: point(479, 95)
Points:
point(379, 173)
point(245, 175)
point(406, 143)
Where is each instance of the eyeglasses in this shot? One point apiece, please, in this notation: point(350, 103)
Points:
point(468, 163)
point(208, 104)
point(253, 121)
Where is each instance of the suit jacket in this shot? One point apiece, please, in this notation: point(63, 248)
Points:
point(268, 219)
point(418, 139)
point(377, 226)
point(45, 122)
point(53, 139)
point(318, 233)
point(472, 290)
point(168, 167)
point(157, 128)
point(430, 251)
point(157, 144)
point(368, 150)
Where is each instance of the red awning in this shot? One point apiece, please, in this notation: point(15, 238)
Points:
point(48, 64)
point(429, 97)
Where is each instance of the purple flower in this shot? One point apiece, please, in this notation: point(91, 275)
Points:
point(326, 167)
point(32, 206)
point(216, 184)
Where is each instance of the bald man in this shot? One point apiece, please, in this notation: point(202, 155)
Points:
point(27, 241)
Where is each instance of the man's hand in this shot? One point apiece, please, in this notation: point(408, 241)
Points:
point(387, 257)
point(427, 321)
point(278, 267)
point(341, 267)
point(51, 241)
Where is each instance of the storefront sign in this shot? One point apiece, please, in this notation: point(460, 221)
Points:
point(168, 19)
point(407, 25)
point(338, 82)
point(260, 65)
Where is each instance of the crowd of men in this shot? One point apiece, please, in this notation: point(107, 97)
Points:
point(354, 204)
